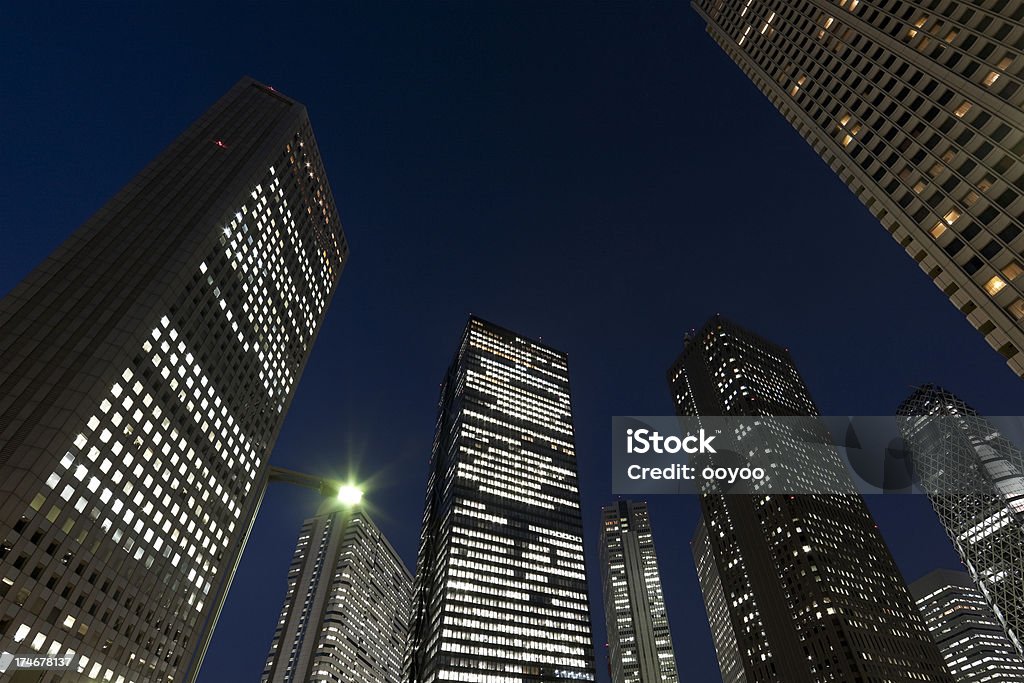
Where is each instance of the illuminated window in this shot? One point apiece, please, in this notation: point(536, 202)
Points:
point(995, 285)
point(938, 230)
point(951, 216)
point(796, 86)
point(991, 78)
point(1012, 270)
point(1016, 309)
point(962, 110)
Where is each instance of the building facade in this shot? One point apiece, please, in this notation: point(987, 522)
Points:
point(811, 590)
point(500, 594)
point(639, 641)
point(974, 477)
point(145, 370)
point(962, 624)
point(346, 611)
point(730, 664)
point(916, 106)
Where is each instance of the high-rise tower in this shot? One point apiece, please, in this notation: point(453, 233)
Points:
point(639, 641)
point(346, 612)
point(974, 477)
point(916, 106)
point(730, 664)
point(500, 593)
point(962, 624)
point(811, 590)
point(145, 370)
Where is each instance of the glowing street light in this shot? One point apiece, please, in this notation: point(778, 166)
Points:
point(350, 495)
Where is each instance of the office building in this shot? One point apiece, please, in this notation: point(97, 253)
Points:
point(346, 612)
point(974, 477)
point(639, 642)
point(962, 624)
point(146, 367)
point(916, 107)
point(500, 594)
point(730, 664)
point(811, 590)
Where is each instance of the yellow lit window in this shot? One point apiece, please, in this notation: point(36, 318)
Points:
point(796, 86)
point(985, 184)
point(951, 36)
point(847, 139)
point(971, 197)
point(995, 285)
point(935, 170)
point(949, 155)
point(991, 78)
point(1016, 309)
point(1005, 63)
point(1012, 270)
point(951, 216)
point(919, 186)
point(962, 110)
point(937, 230)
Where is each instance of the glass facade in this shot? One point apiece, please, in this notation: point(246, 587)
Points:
point(346, 611)
point(915, 105)
point(145, 370)
point(811, 590)
point(639, 642)
point(500, 594)
point(974, 477)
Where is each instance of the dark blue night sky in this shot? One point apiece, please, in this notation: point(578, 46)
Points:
point(596, 174)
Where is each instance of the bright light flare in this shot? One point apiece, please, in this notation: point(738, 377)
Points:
point(350, 495)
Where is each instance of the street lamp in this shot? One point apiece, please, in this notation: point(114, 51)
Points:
point(346, 493)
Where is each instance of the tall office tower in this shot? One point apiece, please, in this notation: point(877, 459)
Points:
point(962, 624)
point(811, 590)
point(500, 594)
point(730, 664)
point(145, 370)
point(916, 107)
point(346, 613)
point(974, 477)
point(639, 641)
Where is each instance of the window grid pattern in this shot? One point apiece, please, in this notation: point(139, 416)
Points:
point(501, 590)
point(916, 107)
point(639, 641)
point(125, 552)
point(971, 639)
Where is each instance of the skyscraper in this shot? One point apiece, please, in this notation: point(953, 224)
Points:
point(962, 624)
point(346, 613)
point(916, 107)
point(811, 590)
point(639, 641)
point(500, 594)
point(974, 477)
point(145, 370)
point(730, 664)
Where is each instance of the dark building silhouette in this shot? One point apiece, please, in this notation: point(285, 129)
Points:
point(811, 590)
